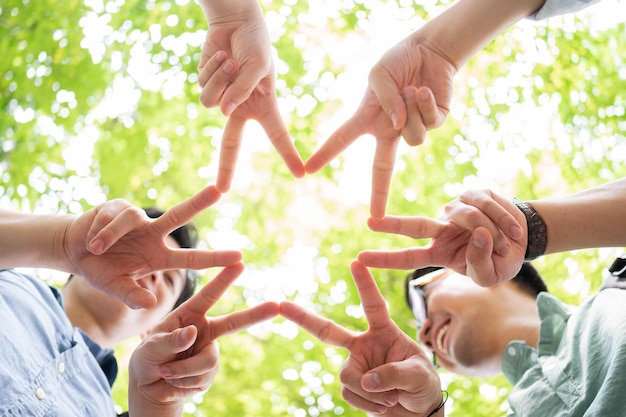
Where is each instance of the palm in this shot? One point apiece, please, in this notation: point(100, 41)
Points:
point(381, 345)
point(193, 364)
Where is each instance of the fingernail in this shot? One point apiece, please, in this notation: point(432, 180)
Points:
point(229, 67)
point(166, 371)
point(504, 250)
point(390, 399)
point(380, 409)
point(97, 246)
point(371, 381)
point(479, 241)
point(409, 93)
point(394, 120)
point(230, 107)
point(423, 95)
point(516, 232)
point(220, 57)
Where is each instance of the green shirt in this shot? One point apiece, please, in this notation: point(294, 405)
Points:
point(579, 368)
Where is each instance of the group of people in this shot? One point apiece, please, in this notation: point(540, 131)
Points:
point(480, 306)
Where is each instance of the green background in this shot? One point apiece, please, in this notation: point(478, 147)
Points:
point(539, 112)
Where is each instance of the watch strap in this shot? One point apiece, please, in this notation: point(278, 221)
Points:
point(537, 230)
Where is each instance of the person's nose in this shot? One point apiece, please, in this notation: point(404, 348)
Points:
point(424, 335)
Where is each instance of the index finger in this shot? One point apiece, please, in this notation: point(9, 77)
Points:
point(372, 300)
point(325, 330)
point(201, 258)
point(416, 227)
point(334, 145)
point(396, 259)
point(208, 295)
point(184, 212)
point(382, 170)
point(243, 319)
point(229, 150)
point(279, 136)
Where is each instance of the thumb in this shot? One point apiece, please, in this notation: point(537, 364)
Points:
point(174, 342)
point(478, 258)
point(183, 338)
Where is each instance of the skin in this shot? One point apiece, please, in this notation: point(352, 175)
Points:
point(111, 246)
point(179, 358)
point(236, 72)
point(484, 235)
point(410, 88)
point(107, 320)
point(387, 373)
point(476, 323)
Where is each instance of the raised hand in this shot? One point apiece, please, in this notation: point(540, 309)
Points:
point(409, 92)
point(236, 72)
point(387, 372)
point(180, 356)
point(480, 234)
point(116, 243)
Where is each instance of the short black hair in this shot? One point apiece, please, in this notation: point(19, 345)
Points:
point(527, 279)
point(185, 236)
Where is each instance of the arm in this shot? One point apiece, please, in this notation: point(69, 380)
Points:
point(387, 372)
point(33, 240)
point(466, 27)
point(592, 218)
point(410, 87)
point(180, 356)
point(485, 236)
point(111, 245)
point(236, 72)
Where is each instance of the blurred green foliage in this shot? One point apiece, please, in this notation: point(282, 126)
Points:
point(62, 150)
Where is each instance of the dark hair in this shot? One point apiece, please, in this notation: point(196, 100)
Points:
point(185, 236)
point(527, 279)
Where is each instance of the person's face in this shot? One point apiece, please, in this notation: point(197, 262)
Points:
point(166, 287)
point(462, 325)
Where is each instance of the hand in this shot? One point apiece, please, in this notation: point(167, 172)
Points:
point(481, 235)
point(116, 243)
point(387, 372)
point(179, 358)
point(409, 92)
point(236, 71)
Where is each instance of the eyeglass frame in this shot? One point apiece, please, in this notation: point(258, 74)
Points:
point(417, 300)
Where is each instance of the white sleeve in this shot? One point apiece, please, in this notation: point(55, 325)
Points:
point(558, 7)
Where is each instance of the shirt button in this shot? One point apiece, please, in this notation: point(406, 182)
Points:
point(40, 394)
point(61, 367)
point(512, 351)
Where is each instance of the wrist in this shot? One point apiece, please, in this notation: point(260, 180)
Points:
point(221, 9)
point(537, 231)
point(469, 25)
point(439, 409)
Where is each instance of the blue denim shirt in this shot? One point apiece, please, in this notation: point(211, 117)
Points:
point(46, 365)
point(558, 7)
point(579, 367)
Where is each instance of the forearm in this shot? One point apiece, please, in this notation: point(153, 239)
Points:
point(32, 240)
point(592, 218)
point(469, 25)
point(223, 8)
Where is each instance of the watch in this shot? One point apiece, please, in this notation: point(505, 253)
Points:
point(537, 230)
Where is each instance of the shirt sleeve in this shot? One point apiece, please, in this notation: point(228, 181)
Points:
point(553, 8)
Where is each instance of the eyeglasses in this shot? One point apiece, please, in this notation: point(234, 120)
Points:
point(417, 300)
